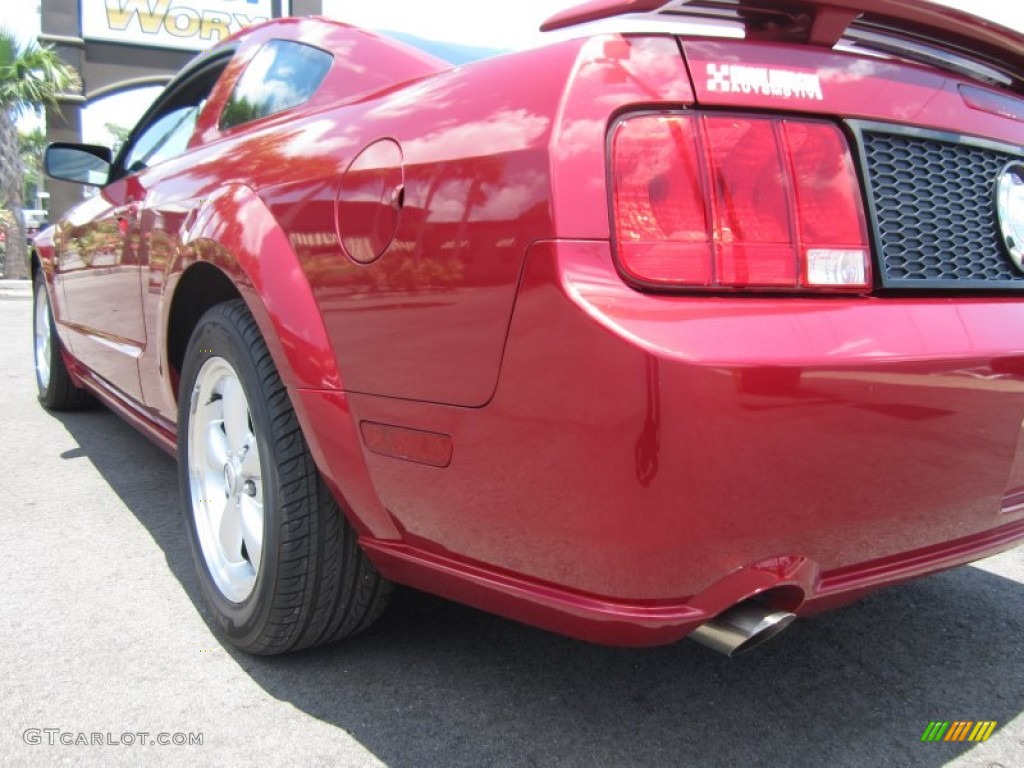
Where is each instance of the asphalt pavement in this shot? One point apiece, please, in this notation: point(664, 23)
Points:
point(102, 639)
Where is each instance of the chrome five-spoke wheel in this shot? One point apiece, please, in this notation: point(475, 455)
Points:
point(226, 479)
point(54, 385)
point(279, 567)
point(43, 332)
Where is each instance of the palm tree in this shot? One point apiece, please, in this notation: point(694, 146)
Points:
point(31, 146)
point(120, 135)
point(30, 78)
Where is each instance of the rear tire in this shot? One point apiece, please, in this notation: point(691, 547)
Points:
point(279, 566)
point(56, 390)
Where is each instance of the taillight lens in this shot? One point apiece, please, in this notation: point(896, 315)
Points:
point(660, 209)
point(735, 202)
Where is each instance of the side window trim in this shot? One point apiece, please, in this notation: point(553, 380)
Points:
point(198, 68)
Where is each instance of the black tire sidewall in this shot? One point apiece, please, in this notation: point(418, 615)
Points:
point(217, 335)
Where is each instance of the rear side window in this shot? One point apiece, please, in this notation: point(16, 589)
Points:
point(280, 76)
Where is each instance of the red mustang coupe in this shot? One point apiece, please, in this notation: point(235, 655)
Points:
point(684, 328)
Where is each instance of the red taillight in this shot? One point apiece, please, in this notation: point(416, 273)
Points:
point(830, 215)
point(660, 207)
point(737, 202)
point(753, 217)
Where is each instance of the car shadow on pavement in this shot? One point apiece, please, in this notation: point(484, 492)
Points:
point(436, 683)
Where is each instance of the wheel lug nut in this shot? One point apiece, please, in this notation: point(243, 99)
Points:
point(249, 487)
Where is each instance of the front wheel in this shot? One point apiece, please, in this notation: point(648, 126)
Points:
point(56, 390)
point(278, 564)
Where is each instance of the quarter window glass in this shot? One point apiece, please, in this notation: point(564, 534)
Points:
point(280, 76)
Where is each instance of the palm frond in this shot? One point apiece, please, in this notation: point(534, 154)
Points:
point(32, 77)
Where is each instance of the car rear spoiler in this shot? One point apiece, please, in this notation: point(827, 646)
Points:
point(910, 29)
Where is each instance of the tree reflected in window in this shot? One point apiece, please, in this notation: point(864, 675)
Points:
point(281, 75)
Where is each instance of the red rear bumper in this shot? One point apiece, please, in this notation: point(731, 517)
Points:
point(648, 461)
point(792, 583)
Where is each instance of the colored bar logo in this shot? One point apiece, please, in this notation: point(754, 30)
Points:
point(959, 730)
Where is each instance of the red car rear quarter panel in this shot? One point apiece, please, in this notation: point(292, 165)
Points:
point(653, 446)
point(427, 320)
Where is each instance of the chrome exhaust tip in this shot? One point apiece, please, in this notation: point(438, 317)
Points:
point(742, 627)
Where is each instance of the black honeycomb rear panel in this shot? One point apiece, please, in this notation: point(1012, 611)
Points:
point(934, 213)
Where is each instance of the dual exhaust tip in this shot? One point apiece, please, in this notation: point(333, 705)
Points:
point(740, 628)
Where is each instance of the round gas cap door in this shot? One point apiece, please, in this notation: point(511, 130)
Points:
point(370, 201)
